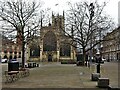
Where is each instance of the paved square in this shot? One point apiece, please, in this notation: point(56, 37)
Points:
point(56, 75)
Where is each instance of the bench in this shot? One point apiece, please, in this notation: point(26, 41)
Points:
point(11, 76)
point(24, 72)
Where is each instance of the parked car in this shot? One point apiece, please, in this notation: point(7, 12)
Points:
point(92, 59)
point(102, 62)
point(103, 59)
point(4, 60)
point(12, 60)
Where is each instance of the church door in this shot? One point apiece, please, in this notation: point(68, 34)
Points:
point(49, 58)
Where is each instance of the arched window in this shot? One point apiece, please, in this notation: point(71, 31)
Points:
point(10, 57)
point(35, 51)
point(65, 50)
point(5, 56)
point(15, 52)
point(5, 51)
point(19, 56)
point(15, 57)
point(49, 42)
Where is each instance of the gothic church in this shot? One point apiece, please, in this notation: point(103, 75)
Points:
point(52, 44)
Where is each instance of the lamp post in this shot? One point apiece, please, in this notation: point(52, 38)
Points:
point(91, 10)
point(119, 44)
point(98, 58)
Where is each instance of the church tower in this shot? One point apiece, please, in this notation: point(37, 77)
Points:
point(58, 22)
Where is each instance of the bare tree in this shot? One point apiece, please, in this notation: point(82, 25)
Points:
point(22, 17)
point(86, 23)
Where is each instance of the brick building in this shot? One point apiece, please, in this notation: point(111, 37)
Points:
point(9, 49)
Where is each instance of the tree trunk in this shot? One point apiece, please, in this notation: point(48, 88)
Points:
point(84, 56)
point(23, 54)
point(23, 50)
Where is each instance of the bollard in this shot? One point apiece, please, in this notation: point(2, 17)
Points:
point(98, 68)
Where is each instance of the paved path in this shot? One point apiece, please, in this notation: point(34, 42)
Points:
point(110, 70)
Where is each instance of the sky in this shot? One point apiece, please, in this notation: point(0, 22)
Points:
point(60, 5)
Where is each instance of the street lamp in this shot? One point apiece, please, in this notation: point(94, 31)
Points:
point(98, 58)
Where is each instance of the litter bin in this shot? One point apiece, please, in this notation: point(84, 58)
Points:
point(13, 65)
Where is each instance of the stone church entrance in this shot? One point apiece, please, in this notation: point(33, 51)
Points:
point(49, 58)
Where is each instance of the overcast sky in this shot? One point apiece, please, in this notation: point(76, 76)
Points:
point(111, 8)
point(60, 5)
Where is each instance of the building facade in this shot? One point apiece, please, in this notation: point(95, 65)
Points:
point(111, 45)
point(52, 45)
point(9, 49)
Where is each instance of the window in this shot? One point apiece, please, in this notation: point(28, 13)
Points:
point(49, 42)
point(35, 51)
point(15, 52)
point(65, 50)
point(19, 52)
point(5, 51)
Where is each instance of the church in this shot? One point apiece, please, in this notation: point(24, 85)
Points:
point(52, 44)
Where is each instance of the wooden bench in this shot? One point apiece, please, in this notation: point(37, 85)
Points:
point(11, 76)
point(24, 72)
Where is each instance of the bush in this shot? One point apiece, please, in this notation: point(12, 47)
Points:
point(68, 62)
